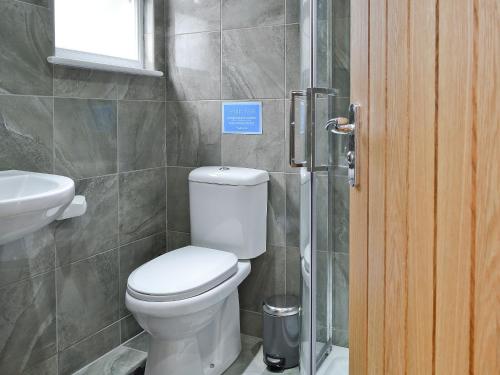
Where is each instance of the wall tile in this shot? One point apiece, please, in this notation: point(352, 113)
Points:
point(26, 40)
point(292, 50)
point(341, 8)
point(26, 133)
point(341, 291)
point(27, 324)
point(264, 151)
point(341, 55)
point(159, 37)
point(129, 328)
point(193, 133)
point(92, 283)
point(242, 13)
point(276, 210)
point(253, 63)
point(193, 66)
point(192, 16)
point(27, 257)
point(84, 83)
point(251, 323)
point(78, 355)
point(85, 137)
point(140, 342)
point(141, 134)
point(266, 279)
point(135, 255)
point(176, 240)
point(136, 87)
point(178, 199)
point(293, 273)
point(292, 11)
point(97, 230)
point(47, 367)
point(142, 204)
point(42, 3)
point(292, 209)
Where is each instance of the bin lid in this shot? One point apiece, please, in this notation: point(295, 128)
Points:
point(281, 305)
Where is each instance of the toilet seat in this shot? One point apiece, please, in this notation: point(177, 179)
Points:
point(181, 274)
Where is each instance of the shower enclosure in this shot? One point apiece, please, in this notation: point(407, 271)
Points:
point(320, 156)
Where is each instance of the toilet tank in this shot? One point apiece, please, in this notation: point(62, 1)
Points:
point(228, 209)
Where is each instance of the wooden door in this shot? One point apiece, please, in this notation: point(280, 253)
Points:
point(425, 221)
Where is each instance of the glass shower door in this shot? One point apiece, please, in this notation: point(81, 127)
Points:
point(318, 153)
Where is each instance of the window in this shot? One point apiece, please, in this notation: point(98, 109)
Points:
point(102, 34)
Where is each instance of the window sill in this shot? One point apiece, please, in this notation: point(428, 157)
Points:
point(99, 66)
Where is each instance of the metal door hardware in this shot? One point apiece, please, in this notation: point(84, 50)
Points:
point(349, 127)
point(310, 127)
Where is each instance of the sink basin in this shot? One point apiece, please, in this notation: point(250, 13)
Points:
point(30, 201)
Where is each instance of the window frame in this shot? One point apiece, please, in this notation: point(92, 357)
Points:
point(77, 58)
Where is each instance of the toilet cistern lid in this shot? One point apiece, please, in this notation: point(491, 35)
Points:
point(234, 176)
point(181, 274)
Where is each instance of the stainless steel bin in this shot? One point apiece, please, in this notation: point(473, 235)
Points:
point(281, 328)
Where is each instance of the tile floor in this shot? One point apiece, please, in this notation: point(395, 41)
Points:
point(130, 359)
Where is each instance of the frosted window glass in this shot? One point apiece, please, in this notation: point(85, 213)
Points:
point(103, 27)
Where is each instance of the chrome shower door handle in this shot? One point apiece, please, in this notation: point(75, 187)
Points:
point(349, 127)
point(294, 96)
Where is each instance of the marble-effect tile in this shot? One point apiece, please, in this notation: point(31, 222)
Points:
point(243, 13)
point(192, 16)
point(92, 283)
point(27, 257)
point(193, 133)
point(141, 135)
point(85, 137)
point(97, 230)
point(276, 215)
point(27, 324)
point(253, 63)
point(193, 66)
point(26, 133)
point(26, 39)
point(178, 199)
point(142, 204)
point(77, 356)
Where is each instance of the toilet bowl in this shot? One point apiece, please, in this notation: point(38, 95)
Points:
point(187, 299)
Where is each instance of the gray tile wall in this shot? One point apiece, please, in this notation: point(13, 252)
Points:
point(62, 288)
point(235, 50)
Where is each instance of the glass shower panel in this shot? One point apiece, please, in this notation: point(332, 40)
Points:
point(324, 201)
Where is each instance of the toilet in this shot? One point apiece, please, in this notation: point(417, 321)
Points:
point(187, 299)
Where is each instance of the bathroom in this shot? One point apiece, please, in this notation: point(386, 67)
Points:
point(351, 201)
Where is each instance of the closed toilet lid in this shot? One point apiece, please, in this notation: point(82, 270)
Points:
point(181, 274)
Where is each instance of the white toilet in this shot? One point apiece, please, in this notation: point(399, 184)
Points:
point(187, 299)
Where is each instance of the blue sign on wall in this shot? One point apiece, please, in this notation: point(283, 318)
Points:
point(242, 118)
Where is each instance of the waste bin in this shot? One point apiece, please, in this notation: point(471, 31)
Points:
point(281, 327)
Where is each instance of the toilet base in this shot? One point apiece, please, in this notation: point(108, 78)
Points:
point(210, 351)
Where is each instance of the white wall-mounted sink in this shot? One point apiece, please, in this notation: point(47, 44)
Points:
point(30, 201)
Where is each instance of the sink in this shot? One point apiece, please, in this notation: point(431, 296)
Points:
point(30, 201)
